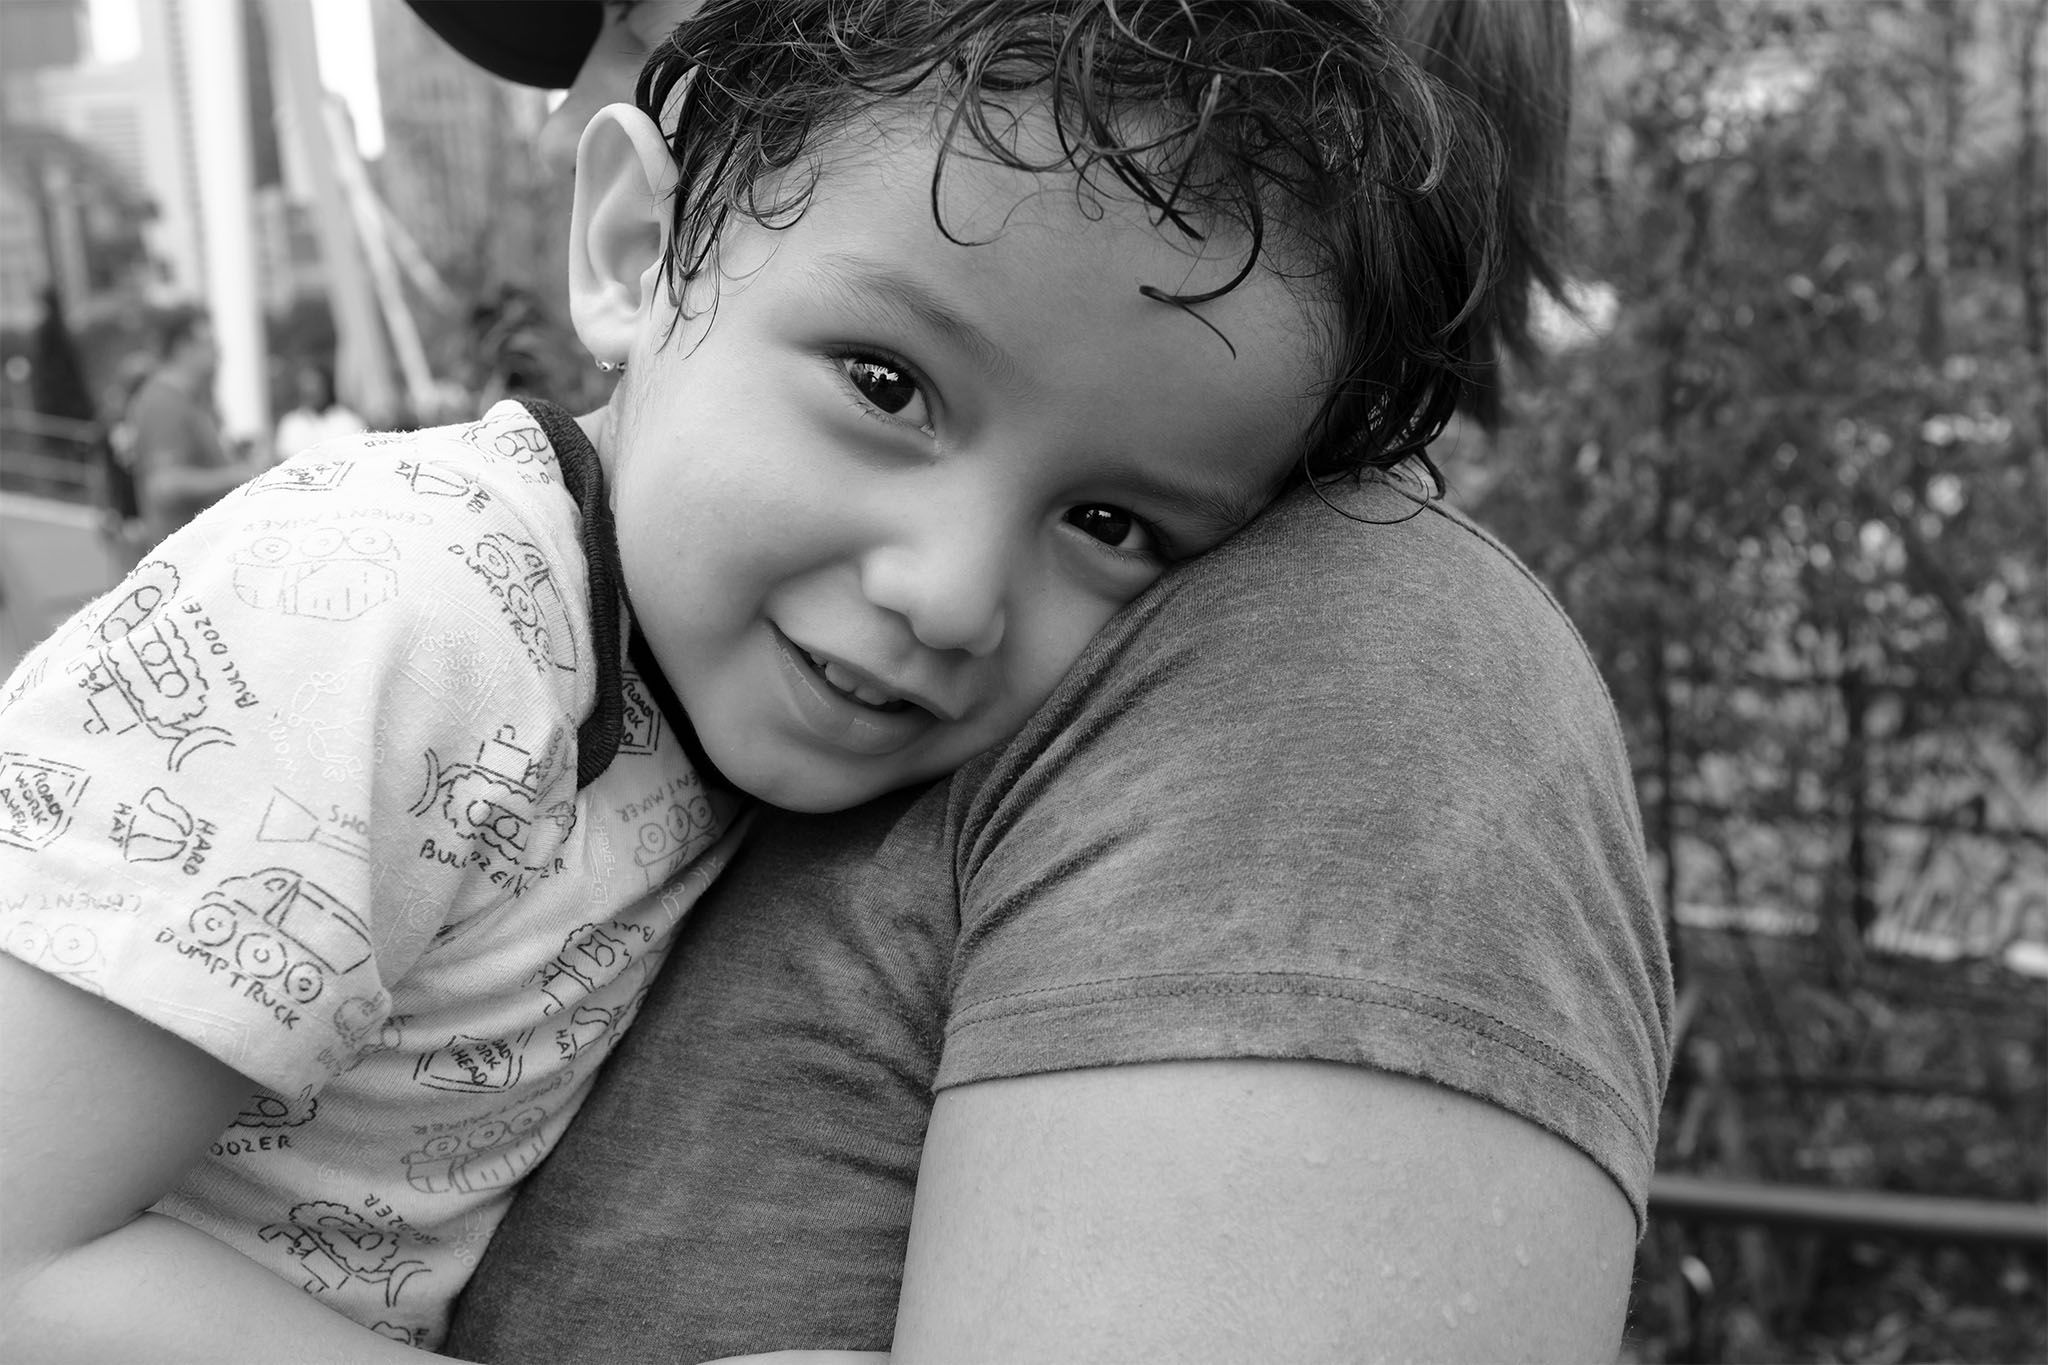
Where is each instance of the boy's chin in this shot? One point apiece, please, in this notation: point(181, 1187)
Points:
point(817, 789)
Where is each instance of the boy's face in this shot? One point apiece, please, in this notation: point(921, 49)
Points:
point(872, 508)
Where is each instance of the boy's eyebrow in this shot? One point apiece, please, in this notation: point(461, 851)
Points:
point(864, 283)
point(1221, 508)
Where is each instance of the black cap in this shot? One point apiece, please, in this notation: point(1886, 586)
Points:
point(533, 42)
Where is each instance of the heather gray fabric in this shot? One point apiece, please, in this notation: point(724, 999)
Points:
point(1338, 791)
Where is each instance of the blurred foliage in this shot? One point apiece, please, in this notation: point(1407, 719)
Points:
point(1787, 472)
point(1919, 1078)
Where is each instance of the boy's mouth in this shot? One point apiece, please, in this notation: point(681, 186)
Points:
point(902, 700)
point(846, 706)
point(854, 686)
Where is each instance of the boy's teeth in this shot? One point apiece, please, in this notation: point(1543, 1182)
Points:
point(851, 683)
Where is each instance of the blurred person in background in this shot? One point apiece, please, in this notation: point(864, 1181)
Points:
point(317, 416)
point(121, 525)
point(169, 437)
point(1290, 989)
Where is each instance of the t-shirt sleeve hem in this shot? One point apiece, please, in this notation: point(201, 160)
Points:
point(293, 1075)
point(1301, 1017)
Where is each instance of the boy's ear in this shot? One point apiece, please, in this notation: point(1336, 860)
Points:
point(618, 228)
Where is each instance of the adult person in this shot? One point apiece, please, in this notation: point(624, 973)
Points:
point(1291, 988)
point(121, 527)
point(316, 415)
point(169, 438)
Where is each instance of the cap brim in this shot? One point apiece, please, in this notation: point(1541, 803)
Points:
point(533, 42)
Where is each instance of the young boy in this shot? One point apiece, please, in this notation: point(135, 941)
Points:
point(380, 791)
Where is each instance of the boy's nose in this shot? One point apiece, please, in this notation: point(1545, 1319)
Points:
point(950, 584)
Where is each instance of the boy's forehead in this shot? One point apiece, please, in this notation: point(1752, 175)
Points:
point(989, 244)
point(999, 254)
point(973, 196)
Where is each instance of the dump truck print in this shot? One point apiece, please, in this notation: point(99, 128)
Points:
point(270, 921)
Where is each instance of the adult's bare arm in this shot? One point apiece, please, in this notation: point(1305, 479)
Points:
point(1255, 1210)
point(101, 1113)
point(165, 481)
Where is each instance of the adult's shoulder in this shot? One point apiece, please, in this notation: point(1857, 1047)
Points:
point(1362, 576)
point(1339, 631)
point(1345, 790)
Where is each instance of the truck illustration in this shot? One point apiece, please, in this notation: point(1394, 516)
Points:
point(144, 671)
point(333, 1245)
point(523, 580)
point(328, 573)
point(269, 916)
point(488, 1157)
point(70, 951)
point(590, 956)
point(491, 800)
point(147, 676)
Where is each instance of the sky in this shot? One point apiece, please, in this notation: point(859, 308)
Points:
point(341, 30)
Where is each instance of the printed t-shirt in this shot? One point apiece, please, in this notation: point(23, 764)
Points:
point(304, 791)
point(1336, 791)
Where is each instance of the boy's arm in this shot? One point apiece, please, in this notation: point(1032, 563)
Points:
point(100, 1114)
point(1255, 1210)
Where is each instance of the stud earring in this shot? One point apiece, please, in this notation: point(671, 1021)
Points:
point(609, 365)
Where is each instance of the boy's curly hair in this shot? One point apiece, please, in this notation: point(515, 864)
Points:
point(1348, 169)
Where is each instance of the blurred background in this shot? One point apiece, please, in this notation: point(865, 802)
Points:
point(325, 179)
point(1786, 465)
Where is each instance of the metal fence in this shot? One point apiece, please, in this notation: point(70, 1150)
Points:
point(49, 457)
point(1921, 1217)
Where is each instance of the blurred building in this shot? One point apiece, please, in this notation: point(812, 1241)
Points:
point(119, 143)
point(105, 194)
point(70, 157)
point(458, 149)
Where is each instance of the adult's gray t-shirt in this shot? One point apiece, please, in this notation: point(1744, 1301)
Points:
point(1337, 791)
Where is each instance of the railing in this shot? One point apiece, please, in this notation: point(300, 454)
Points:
point(1814, 1208)
point(49, 457)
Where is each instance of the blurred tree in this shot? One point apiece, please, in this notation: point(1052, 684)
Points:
point(1788, 474)
point(1794, 495)
point(53, 169)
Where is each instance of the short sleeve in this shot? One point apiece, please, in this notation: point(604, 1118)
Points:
point(1341, 791)
point(323, 724)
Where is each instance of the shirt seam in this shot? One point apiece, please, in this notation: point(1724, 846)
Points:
point(1570, 1070)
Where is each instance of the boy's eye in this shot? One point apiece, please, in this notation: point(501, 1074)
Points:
point(1113, 526)
point(884, 384)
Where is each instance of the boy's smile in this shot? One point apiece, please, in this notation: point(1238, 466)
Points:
point(875, 498)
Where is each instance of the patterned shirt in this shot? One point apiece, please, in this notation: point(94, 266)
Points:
point(303, 790)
